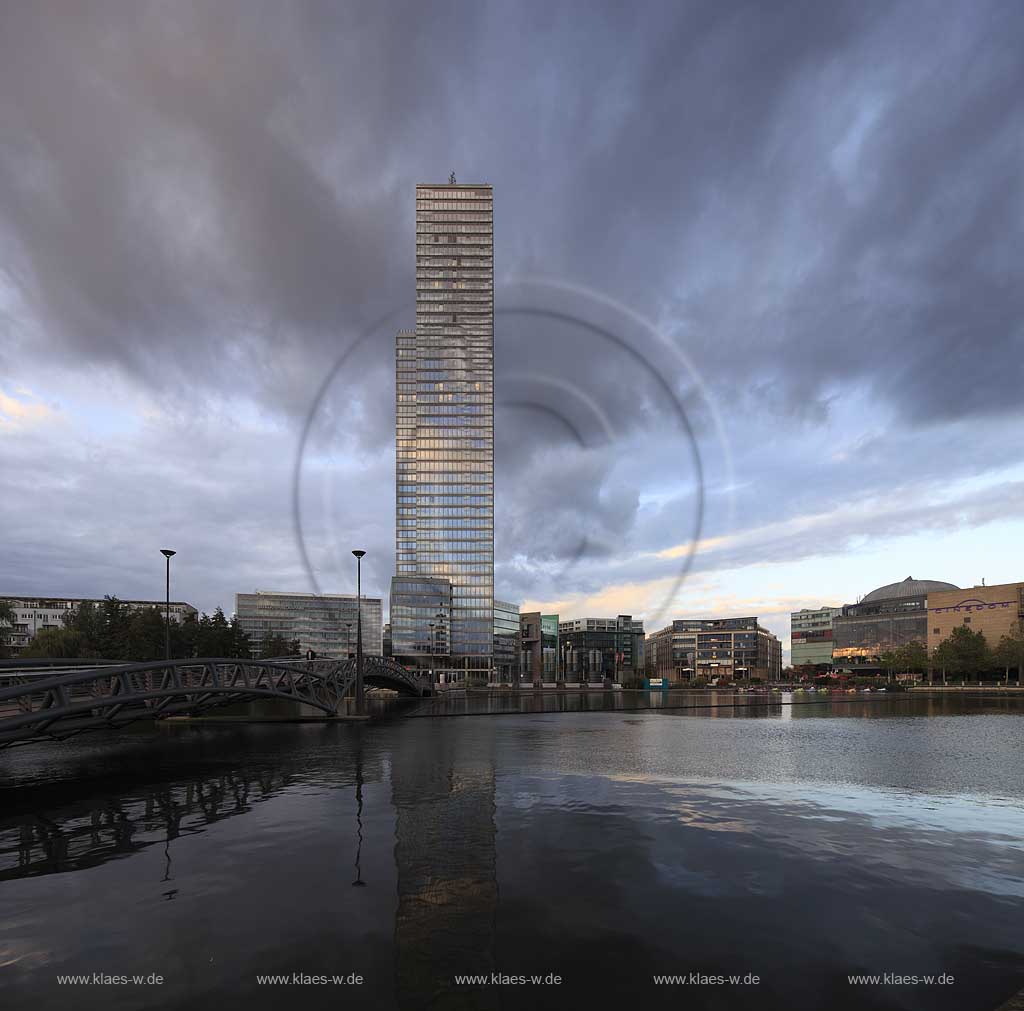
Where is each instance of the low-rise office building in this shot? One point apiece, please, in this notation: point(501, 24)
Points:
point(325, 623)
point(811, 636)
point(992, 610)
point(599, 649)
point(894, 615)
point(32, 614)
point(538, 647)
point(708, 648)
point(506, 642)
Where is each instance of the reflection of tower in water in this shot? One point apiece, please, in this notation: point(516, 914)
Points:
point(445, 855)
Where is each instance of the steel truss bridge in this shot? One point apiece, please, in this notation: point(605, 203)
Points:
point(38, 706)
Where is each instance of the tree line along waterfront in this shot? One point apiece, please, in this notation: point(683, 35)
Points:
point(111, 630)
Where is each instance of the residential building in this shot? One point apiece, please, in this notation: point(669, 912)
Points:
point(506, 642)
point(811, 636)
point(444, 421)
point(598, 649)
point(728, 648)
point(32, 613)
point(894, 615)
point(325, 623)
point(538, 647)
point(992, 610)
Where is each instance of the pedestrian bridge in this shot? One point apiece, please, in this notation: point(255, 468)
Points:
point(42, 705)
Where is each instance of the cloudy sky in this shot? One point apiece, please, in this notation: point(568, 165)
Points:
point(758, 304)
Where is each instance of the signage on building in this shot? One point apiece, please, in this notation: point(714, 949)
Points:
point(972, 604)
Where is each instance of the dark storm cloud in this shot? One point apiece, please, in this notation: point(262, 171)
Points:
point(820, 203)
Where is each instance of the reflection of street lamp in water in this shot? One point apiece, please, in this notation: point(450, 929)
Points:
point(359, 882)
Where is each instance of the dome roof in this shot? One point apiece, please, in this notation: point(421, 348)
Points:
point(910, 587)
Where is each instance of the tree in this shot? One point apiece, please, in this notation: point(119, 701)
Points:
point(214, 638)
point(890, 661)
point(273, 645)
point(912, 658)
point(963, 652)
point(185, 637)
point(1010, 651)
point(146, 635)
point(241, 645)
point(54, 642)
point(6, 623)
point(87, 621)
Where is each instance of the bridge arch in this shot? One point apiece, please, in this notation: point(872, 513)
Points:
point(36, 706)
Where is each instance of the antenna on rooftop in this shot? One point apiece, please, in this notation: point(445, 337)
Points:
point(451, 179)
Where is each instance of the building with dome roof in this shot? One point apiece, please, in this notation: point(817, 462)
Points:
point(894, 615)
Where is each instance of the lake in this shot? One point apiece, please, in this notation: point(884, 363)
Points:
point(763, 854)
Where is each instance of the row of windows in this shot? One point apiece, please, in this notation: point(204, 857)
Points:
point(473, 197)
point(465, 442)
point(452, 379)
point(466, 200)
point(449, 455)
point(452, 243)
point(431, 265)
point(449, 484)
point(457, 225)
point(447, 415)
point(442, 500)
point(464, 466)
point(465, 583)
point(473, 215)
point(456, 571)
point(479, 510)
point(457, 281)
point(445, 398)
point(454, 291)
point(476, 310)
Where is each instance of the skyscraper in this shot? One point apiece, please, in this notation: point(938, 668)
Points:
point(444, 424)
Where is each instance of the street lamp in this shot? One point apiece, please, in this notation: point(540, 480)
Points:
point(431, 652)
point(167, 552)
point(440, 637)
point(360, 702)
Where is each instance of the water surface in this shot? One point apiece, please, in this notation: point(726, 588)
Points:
point(798, 843)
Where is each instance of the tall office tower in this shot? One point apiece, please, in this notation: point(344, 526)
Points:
point(444, 423)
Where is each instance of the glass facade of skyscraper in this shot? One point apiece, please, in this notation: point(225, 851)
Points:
point(444, 419)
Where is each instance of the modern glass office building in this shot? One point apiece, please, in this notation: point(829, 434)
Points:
point(444, 422)
point(323, 622)
point(599, 648)
point(506, 642)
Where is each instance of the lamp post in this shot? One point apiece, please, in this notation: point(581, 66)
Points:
point(167, 553)
point(360, 701)
point(432, 647)
point(440, 636)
